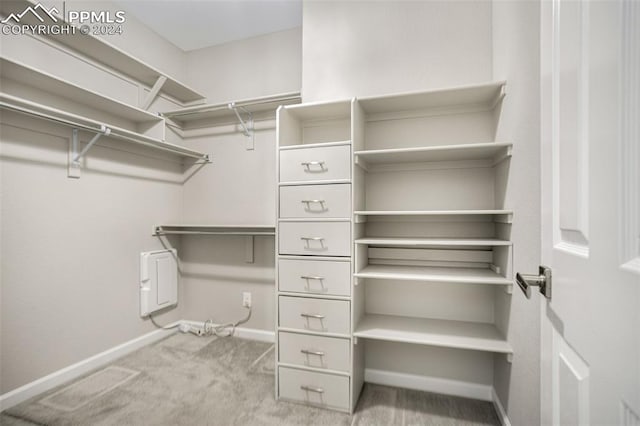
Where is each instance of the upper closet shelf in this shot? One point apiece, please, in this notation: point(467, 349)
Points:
point(36, 93)
point(113, 57)
point(473, 97)
point(433, 332)
point(226, 109)
point(249, 230)
point(493, 151)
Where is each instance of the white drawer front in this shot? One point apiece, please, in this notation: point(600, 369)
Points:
point(320, 315)
point(315, 238)
point(315, 164)
point(326, 390)
point(331, 353)
point(315, 201)
point(314, 276)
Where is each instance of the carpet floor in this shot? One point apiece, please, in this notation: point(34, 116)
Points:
point(189, 380)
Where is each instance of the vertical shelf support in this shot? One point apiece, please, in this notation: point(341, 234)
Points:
point(247, 126)
point(249, 244)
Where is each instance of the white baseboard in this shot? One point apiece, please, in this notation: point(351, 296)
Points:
point(85, 366)
point(429, 384)
point(243, 333)
point(502, 413)
point(78, 369)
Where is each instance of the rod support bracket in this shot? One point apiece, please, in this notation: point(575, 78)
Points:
point(246, 124)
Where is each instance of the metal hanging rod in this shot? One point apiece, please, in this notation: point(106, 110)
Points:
point(212, 230)
point(46, 113)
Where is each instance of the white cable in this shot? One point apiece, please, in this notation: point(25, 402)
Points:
point(209, 327)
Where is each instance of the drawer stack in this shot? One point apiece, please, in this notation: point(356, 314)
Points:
point(314, 248)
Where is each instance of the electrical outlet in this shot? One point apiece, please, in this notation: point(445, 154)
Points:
point(246, 299)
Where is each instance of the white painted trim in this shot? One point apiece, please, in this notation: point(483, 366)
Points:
point(267, 336)
point(78, 369)
point(87, 365)
point(429, 384)
point(502, 413)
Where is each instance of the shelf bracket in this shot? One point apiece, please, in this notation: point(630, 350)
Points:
point(153, 93)
point(247, 126)
point(249, 243)
point(75, 156)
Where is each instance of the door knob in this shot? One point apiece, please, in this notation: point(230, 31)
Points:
point(542, 280)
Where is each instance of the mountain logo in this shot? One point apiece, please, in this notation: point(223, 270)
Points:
point(34, 11)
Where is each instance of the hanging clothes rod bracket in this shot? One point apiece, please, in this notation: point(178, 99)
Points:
point(247, 125)
point(104, 131)
point(73, 170)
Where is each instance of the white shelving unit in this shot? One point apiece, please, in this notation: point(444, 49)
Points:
point(101, 51)
point(27, 90)
point(429, 180)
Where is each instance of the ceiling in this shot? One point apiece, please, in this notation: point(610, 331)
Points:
point(194, 24)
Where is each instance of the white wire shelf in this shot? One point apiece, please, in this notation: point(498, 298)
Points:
point(248, 230)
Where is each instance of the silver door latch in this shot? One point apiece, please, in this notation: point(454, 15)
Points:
point(542, 280)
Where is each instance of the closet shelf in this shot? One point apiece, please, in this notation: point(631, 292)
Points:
point(225, 110)
point(494, 151)
point(107, 54)
point(503, 216)
point(472, 97)
point(27, 107)
point(433, 332)
point(433, 274)
point(250, 230)
point(421, 242)
point(19, 79)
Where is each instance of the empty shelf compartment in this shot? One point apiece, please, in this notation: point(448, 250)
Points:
point(433, 332)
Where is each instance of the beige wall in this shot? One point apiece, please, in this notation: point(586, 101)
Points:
point(377, 47)
point(70, 248)
point(259, 66)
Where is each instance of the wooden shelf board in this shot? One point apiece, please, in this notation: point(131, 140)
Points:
point(430, 212)
point(105, 53)
point(433, 274)
point(433, 332)
point(479, 151)
point(214, 111)
point(486, 94)
point(26, 75)
point(48, 113)
point(215, 229)
point(416, 242)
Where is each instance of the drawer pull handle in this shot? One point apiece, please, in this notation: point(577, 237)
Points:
point(312, 201)
point(308, 164)
point(316, 316)
point(312, 277)
point(310, 352)
point(312, 389)
point(312, 238)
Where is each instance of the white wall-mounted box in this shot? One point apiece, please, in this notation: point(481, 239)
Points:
point(158, 280)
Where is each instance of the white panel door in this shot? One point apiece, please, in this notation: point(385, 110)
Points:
point(590, 214)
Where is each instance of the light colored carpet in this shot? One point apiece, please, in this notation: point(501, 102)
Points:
point(188, 380)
